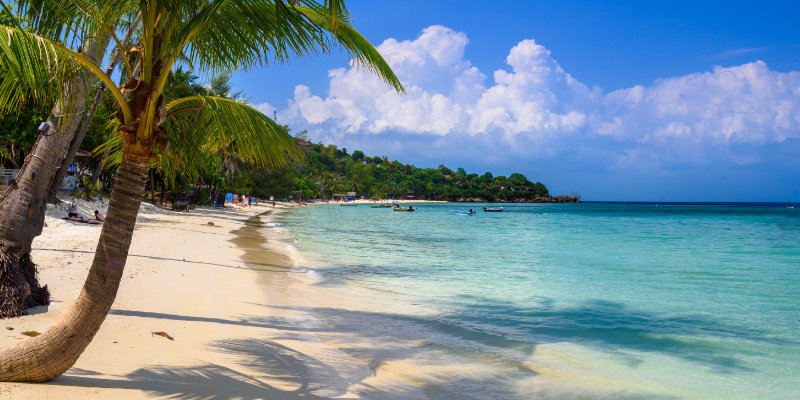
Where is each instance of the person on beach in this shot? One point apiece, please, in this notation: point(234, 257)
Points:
point(99, 216)
point(80, 218)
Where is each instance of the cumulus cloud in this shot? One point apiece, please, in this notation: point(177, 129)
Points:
point(534, 107)
point(747, 103)
point(535, 97)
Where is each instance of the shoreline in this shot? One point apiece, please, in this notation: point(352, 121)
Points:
point(220, 290)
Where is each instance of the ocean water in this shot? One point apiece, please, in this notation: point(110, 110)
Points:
point(589, 301)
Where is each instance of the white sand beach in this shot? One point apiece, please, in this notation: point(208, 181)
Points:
point(220, 289)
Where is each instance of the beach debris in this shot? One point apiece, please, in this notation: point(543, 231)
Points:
point(9, 328)
point(210, 223)
point(163, 334)
point(31, 333)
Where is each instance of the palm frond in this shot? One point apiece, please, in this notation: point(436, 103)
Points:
point(360, 48)
point(32, 68)
point(223, 125)
point(252, 33)
point(113, 145)
point(72, 21)
point(249, 33)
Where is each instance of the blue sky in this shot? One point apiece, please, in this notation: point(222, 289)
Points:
point(680, 101)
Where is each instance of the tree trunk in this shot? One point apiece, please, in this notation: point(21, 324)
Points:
point(74, 145)
point(50, 354)
point(98, 97)
point(23, 209)
point(23, 205)
point(13, 157)
point(99, 168)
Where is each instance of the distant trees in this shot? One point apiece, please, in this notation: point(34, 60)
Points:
point(327, 170)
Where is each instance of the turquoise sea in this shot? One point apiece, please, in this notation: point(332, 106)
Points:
point(591, 300)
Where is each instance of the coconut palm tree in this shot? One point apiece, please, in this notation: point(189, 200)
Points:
point(23, 204)
point(217, 37)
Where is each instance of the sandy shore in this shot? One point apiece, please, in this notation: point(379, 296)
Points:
point(241, 321)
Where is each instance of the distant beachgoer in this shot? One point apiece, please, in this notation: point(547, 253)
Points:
point(80, 218)
point(273, 203)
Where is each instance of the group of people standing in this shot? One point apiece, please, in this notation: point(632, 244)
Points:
point(244, 201)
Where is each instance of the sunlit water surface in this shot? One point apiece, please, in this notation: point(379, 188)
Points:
point(570, 300)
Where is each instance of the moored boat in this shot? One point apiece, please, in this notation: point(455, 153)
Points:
point(470, 212)
point(492, 209)
point(404, 209)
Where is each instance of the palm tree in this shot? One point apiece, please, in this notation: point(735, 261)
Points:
point(217, 37)
point(65, 85)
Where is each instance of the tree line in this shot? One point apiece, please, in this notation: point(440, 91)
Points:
point(327, 172)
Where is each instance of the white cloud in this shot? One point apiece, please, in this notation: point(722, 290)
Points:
point(745, 104)
point(536, 103)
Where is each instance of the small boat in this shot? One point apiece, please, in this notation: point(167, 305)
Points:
point(789, 205)
point(470, 212)
point(375, 206)
point(348, 205)
point(404, 209)
point(492, 209)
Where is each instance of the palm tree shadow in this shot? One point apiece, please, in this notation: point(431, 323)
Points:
point(280, 373)
point(201, 382)
point(509, 332)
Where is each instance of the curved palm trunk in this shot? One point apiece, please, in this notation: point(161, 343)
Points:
point(23, 212)
point(50, 354)
point(23, 208)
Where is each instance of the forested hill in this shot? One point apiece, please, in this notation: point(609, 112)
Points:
point(327, 171)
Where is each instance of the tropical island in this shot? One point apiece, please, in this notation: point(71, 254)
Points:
point(328, 172)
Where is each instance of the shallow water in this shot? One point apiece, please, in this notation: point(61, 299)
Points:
point(566, 300)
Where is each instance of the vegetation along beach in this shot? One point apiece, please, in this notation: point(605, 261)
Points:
point(304, 199)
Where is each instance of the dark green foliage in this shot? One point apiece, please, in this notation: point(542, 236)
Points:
point(20, 129)
point(328, 170)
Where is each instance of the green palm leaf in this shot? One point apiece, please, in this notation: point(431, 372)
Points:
point(200, 126)
point(365, 54)
point(32, 69)
point(35, 68)
point(248, 33)
point(218, 124)
point(72, 21)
